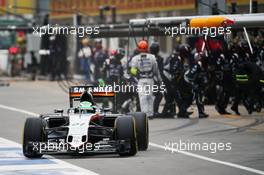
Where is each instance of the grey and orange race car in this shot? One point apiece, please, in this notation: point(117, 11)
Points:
point(86, 128)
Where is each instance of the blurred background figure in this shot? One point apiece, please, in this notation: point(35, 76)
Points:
point(112, 68)
point(52, 64)
point(15, 61)
point(21, 43)
point(57, 65)
point(99, 58)
point(85, 55)
point(155, 49)
point(34, 66)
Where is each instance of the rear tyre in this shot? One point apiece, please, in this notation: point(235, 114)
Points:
point(142, 129)
point(126, 130)
point(33, 132)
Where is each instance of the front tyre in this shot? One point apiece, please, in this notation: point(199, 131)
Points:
point(142, 129)
point(33, 132)
point(126, 130)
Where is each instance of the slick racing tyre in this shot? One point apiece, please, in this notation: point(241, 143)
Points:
point(126, 130)
point(142, 129)
point(33, 132)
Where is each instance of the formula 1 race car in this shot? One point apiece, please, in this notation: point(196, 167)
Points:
point(86, 128)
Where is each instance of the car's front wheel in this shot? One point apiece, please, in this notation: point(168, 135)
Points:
point(142, 129)
point(33, 133)
point(126, 130)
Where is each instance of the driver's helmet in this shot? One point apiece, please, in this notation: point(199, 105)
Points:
point(86, 105)
point(101, 82)
point(86, 97)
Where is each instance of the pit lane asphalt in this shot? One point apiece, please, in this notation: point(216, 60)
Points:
point(246, 134)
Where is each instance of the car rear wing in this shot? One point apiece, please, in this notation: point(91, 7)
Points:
point(75, 92)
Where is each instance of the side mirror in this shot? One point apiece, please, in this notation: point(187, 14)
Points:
point(58, 110)
point(72, 111)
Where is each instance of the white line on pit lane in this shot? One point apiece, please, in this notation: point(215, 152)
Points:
point(19, 110)
point(208, 159)
point(55, 166)
point(164, 148)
